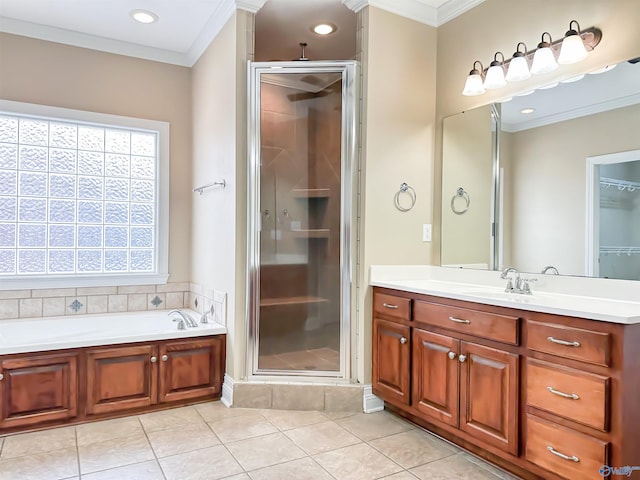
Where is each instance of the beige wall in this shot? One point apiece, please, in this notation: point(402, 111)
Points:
point(47, 73)
point(548, 174)
point(398, 61)
point(467, 145)
point(218, 249)
point(498, 25)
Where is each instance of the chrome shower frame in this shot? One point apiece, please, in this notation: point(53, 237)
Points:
point(350, 96)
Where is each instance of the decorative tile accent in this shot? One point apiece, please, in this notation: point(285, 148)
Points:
point(156, 301)
point(76, 305)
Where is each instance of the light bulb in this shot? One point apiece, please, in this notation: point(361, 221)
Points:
point(495, 74)
point(572, 50)
point(473, 85)
point(543, 60)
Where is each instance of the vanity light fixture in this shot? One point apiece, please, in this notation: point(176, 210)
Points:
point(495, 74)
point(473, 86)
point(143, 16)
point(518, 66)
point(573, 47)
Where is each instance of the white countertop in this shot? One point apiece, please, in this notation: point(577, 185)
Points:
point(470, 287)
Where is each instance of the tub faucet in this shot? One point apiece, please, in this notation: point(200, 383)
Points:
point(188, 319)
point(550, 268)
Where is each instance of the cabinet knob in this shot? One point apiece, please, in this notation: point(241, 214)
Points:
point(1, 376)
point(164, 358)
point(403, 340)
point(462, 358)
point(452, 355)
point(153, 359)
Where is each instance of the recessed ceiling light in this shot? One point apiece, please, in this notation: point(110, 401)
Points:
point(324, 28)
point(527, 111)
point(144, 16)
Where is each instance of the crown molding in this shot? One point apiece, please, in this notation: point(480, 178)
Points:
point(417, 10)
point(453, 8)
point(571, 114)
point(93, 42)
point(210, 31)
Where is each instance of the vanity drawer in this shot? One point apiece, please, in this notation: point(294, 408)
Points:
point(567, 392)
point(501, 328)
point(564, 452)
point(569, 342)
point(392, 306)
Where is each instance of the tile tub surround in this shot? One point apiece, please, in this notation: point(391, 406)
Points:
point(52, 302)
point(194, 442)
point(614, 301)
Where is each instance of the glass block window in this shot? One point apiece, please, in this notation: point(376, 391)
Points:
point(77, 198)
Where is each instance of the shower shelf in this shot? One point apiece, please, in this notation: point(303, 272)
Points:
point(274, 302)
point(311, 192)
point(312, 233)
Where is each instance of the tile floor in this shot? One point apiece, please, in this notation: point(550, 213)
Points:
point(209, 441)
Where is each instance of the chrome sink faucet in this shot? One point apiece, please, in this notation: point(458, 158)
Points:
point(188, 319)
point(518, 284)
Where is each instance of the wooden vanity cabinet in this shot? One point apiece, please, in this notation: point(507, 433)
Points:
point(544, 396)
point(38, 389)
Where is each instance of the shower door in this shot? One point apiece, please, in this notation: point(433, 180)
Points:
point(301, 136)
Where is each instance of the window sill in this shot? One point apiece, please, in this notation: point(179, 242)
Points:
point(32, 283)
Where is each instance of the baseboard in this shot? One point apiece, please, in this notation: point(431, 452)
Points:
point(370, 402)
point(227, 391)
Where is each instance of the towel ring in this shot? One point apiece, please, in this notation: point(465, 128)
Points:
point(460, 193)
point(405, 188)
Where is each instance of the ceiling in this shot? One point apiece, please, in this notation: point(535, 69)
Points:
point(186, 27)
point(615, 88)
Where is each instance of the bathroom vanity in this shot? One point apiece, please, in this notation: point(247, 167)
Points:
point(540, 393)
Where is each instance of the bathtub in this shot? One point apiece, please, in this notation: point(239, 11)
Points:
point(74, 331)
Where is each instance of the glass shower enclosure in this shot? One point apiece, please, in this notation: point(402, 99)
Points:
point(301, 134)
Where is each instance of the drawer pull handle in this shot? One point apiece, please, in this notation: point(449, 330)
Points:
point(462, 358)
point(563, 342)
point(1, 376)
point(403, 340)
point(154, 359)
point(391, 306)
point(459, 320)
point(572, 396)
point(571, 458)
point(164, 358)
point(452, 355)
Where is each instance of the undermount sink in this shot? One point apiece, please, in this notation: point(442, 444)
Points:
point(513, 297)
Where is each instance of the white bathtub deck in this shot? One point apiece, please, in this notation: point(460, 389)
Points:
point(57, 333)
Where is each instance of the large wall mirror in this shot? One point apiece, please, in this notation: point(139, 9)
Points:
point(548, 179)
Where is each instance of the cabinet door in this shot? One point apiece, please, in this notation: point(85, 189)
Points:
point(191, 369)
point(121, 378)
point(391, 357)
point(489, 395)
point(435, 375)
point(38, 389)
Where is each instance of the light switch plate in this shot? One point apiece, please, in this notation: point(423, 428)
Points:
point(426, 232)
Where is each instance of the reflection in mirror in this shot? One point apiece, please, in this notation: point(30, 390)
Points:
point(541, 214)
